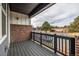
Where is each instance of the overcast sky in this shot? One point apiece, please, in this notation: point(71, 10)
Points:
point(60, 14)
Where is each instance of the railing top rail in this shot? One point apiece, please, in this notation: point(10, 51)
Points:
point(58, 36)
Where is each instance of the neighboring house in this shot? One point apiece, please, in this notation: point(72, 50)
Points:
point(59, 29)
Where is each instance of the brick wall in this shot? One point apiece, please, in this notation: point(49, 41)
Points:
point(77, 46)
point(20, 32)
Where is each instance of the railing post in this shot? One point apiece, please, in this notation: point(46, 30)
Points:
point(33, 36)
point(41, 39)
point(55, 43)
point(72, 47)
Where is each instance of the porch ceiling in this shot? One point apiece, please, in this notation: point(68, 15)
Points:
point(27, 8)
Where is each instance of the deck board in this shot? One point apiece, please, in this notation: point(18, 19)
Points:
point(29, 48)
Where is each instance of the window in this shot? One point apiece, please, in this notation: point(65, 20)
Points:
point(3, 24)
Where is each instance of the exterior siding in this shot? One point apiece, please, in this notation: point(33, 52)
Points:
point(22, 19)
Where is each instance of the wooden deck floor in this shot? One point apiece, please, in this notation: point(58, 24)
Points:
point(28, 48)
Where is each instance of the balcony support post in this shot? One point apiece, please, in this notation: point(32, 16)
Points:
point(55, 43)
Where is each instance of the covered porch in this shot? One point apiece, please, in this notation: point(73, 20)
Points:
point(21, 40)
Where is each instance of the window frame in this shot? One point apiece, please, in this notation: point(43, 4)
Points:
point(3, 11)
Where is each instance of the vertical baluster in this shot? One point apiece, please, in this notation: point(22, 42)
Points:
point(41, 39)
point(52, 42)
point(62, 45)
point(48, 41)
point(34, 36)
point(59, 44)
point(65, 46)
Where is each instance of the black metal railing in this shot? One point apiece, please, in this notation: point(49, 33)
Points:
point(61, 44)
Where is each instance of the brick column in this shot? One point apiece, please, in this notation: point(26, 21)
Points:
point(77, 45)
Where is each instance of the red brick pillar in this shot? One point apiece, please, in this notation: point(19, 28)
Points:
point(77, 45)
